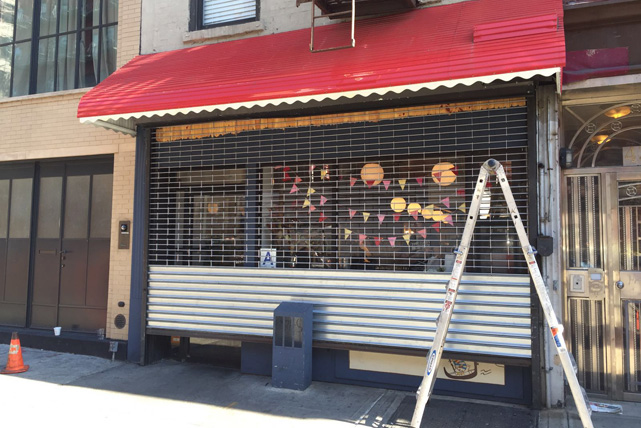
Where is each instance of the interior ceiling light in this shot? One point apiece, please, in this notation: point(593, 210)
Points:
point(618, 112)
point(599, 139)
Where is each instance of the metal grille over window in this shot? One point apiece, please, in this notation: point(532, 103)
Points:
point(217, 12)
point(362, 191)
point(629, 233)
point(584, 228)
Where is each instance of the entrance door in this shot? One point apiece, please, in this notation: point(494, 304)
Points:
point(623, 227)
point(72, 237)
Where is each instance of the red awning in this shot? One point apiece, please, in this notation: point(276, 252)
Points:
point(462, 43)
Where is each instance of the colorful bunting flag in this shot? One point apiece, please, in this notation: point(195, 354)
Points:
point(397, 217)
point(365, 217)
point(463, 208)
point(294, 189)
point(386, 183)
point(460, 192)
point(448, 220)
point(352, 181)
point(422, 232)
point(323, 200)
point(361, 238)
point(377, 240)
point(352, 213)
point(446, 201)
point(312, 208)
point(322, 217)
point(310, 191)
point(286, 175)
point(306, 203)
point(297, 179)
point(407, 237)
point(437, 226)
point(419, 180)
point(414, 214)
point(381, 217)
point(347, 233)
point(311, 168)
point(392, 240)
point(402, 183)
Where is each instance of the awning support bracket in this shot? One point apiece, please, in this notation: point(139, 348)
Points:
point(328, 15)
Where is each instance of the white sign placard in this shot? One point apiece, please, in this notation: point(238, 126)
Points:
point(632, 156)
point(267, 258)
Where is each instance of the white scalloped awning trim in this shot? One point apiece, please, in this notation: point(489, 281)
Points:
point(100, 120)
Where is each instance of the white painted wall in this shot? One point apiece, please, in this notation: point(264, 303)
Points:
point(165, 23)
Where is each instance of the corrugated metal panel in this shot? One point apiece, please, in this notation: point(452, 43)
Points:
point(426, 48)
point(492, 314)
point(515, 28)
point(222, 11)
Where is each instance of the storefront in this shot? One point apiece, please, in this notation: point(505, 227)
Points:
point(342, 180)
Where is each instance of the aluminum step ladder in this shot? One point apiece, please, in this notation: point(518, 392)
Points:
point(489, 168)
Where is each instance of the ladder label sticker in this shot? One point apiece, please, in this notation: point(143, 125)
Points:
point(431, 362)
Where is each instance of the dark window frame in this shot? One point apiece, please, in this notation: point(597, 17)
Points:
point(35, 38)
point(196, 17)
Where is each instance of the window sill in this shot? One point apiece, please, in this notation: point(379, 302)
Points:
point(44, 95)
point(223, 32)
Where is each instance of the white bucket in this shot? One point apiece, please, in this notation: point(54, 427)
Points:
point(56, 330)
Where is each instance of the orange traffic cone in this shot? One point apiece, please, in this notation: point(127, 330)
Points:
point(15, 363)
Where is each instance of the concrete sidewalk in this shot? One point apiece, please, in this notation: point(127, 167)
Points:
point(70, 390)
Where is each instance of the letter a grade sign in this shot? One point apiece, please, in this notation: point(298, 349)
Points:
point(268, 257)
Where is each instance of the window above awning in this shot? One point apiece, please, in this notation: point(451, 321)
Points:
point(459, 44)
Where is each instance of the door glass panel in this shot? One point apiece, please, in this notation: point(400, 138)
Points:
point(629, 210)
point(49, 207)
point(4, 207)
point(584, 228)
point(101, 206)
point(77, 206)
point(20, 214)
point(632, 344)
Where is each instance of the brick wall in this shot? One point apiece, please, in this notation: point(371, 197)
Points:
point(45, 126)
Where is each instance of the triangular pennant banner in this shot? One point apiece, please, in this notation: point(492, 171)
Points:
point(294, 189)
point(448, 220)
point(419, 180)
point(437, 176)
point(347, 233)
point(407, 237)
point(460, 192)
point(455, 170)
point(286, 177)
point(437, 226)
point(422, 232)
point(352, 181)
point(414, 214)
point(377, 240)
point(381, 217)
point(361, 238)
point(306, 203)
point(370, 183)
point(324, 174)
point(365, 217)
point(297, 179)
point(392, 240)
point(312, 208)
point(323, 200)
point(352, 213)
point(310, 191)
point(386, 183)
point(397, 217)
point(446, 201)
point(311, 168)
point(402, 184)
point(463, 208)
point(322, 217)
